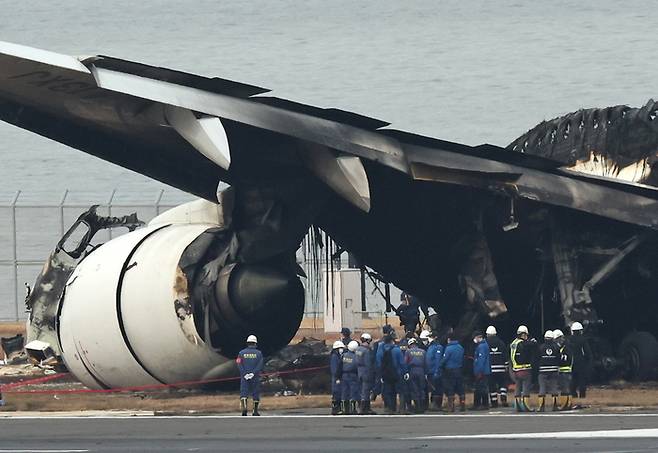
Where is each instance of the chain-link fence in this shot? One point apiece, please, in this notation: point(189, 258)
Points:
point(31, 230)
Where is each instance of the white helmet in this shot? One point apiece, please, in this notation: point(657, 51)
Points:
point(557, 333)
point(549, 335)
point(521, 329)
point(365, 336)
point(352, 346)
point(252, 339)
point(338, 344)
point(576, 326)
point(412, 341)
point(425, 335)
point(491, 330)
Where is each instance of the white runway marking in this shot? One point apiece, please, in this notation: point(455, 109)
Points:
point(609, 434)
point(55, 416)
point(43, 451)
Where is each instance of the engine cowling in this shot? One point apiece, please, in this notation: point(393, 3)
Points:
point(130, 314)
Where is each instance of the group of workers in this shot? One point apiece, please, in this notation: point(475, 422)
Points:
point(416, 374)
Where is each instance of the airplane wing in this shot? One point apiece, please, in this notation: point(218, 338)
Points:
point(191, 132)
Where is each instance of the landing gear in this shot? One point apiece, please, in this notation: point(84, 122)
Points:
point(638, 355)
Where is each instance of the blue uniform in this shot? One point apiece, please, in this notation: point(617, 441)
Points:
point(336, 368)
point(482, 359)
point(250, 361)
point(349, 380)
point(389, 377)
point(404, 389)
point(365, 371)
point(451, 364)
point(432, 362)
point(415, 361)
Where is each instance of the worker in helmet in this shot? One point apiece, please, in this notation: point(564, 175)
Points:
point(521, 358)
point(349, 379)
point(424, 344)
point(549, 364)
point(408, 313)
point(481, 372)
point(250, 364)
point(365, 372)
point(582, 361)
point(424, 338)
point(335, 366)
point(564, 371)
point(499, 358)
point(432, 360)
point(415, 376)
point(404, 386)
point(346, 334)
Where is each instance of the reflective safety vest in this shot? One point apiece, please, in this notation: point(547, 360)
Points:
point(516, 365)
point(566, 360)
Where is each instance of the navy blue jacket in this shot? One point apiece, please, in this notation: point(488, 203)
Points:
point(335, 364)
point(349, 362)
point(415, 360)
point(433, 358)
point(482, 359)
point(250, 360)
point(364, 360)
point(396, 356)
point(453, 357)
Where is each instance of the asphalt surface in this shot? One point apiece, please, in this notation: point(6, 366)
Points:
point(491, 433)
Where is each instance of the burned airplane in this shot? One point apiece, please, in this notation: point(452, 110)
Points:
point(483, 234)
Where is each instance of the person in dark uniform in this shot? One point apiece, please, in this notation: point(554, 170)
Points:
point(388, 365)
point(377, 380)
point(349, 379)
point(481, 372)
point(365, 372)
point(336, 368)
point(432, 361)
point(407, 311)
point(250, 364)
point(499, 356)
point(582, 361)
point(549, 364)
point(452, 363)
point(564, 371)
point(415, 376)
point(404, 388)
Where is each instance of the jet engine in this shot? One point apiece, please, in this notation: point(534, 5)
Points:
point(169, 303)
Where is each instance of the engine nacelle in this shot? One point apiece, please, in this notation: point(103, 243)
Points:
point(129, 315)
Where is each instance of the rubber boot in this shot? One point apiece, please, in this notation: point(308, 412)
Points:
point(542, 404)
point(435, 407)
point(335, 407)
point(494, 400)
point(555, 403)
point(243, 406)
point(567, 403)
point(362, 407)
point(439, 402)
point(525, 400)
point(476, 402)
point(404, 406)
point(417, 407)
point(503, 399)
point(518, 404)
point(346, 407)
point(462, 404)
point(451, 404)
point(353, 407)
point(255, 412)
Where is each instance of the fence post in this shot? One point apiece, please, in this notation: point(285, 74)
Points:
point(15, 250)
point(109, 210)
point(61, 212)
point(158, 199)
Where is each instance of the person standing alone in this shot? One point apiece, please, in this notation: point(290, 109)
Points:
point(250, 364)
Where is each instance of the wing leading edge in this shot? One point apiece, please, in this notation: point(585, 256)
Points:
point(171, 126)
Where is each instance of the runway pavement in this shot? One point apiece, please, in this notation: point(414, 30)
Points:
point(605, 433)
